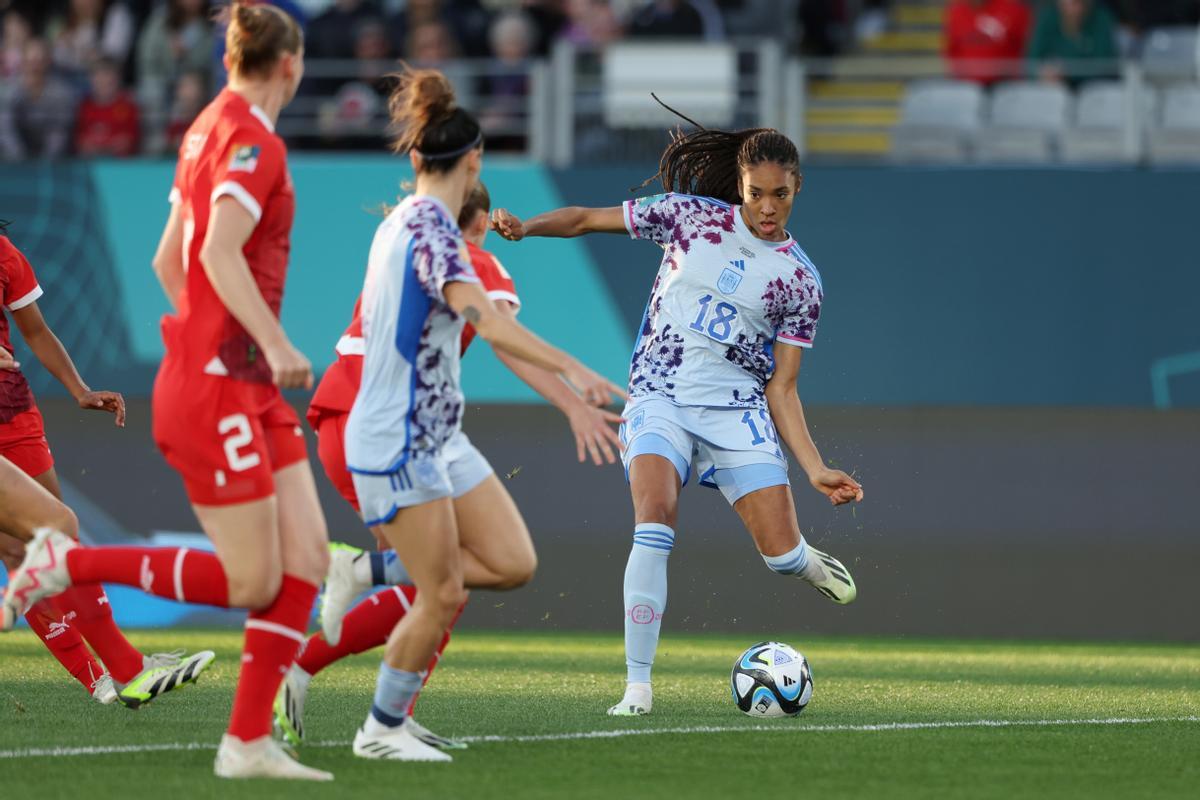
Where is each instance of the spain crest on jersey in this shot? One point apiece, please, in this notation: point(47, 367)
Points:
point(729, 281)
point(245, 158)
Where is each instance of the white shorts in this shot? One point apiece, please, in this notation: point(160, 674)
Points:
point(735, 450)
point(450, 472)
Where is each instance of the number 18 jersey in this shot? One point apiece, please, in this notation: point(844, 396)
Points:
point(721, 300)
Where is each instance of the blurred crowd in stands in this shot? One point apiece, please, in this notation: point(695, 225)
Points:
point(992, 40)
point(123, 77)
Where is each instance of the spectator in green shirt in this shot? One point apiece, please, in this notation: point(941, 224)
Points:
point(1068, 34)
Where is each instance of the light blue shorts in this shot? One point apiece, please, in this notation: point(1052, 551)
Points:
point(735, 450)
point(450, 472)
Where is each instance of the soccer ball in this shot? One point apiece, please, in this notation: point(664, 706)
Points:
point(771, 679)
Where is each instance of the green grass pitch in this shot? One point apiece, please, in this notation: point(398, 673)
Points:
point(888, 719)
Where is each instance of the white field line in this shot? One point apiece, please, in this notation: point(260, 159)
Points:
point(97, 750)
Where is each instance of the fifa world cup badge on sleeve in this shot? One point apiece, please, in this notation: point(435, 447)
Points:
point(245, 158)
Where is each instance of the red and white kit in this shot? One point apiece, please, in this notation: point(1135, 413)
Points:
point(331, 403)
point(22, 436)
point(218, 418)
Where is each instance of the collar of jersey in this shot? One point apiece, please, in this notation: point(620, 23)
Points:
point(258, 113)
point(441, 207)
point(743, 229)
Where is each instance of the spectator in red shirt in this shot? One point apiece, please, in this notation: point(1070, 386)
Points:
point(985, 39)
point(107, 124)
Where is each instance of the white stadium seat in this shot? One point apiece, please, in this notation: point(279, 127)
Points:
point(1025, 122)
point(938, 118)
point(1176, 140)
point(1170, 53)
point(1099, 135)
point(698, 79)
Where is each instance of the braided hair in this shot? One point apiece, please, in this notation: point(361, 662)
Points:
point(709, 162)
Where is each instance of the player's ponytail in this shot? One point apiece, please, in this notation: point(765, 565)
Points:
point(709, 162)
point(429, 121)
point(258, 34)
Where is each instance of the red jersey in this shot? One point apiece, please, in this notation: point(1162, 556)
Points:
point(230, 150)
point(18, 288)
point(986, 42)
point(339, 386)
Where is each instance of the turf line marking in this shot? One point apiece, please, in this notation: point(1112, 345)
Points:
point(100, 750)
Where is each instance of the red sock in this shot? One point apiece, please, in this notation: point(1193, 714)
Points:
point(437, 656)
point(273, 636)
point(176, 573)
point(365, 627)
point(52, 624)
point(95, 622)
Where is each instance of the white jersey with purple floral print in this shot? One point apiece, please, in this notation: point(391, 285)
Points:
point(410, 401)
point(721, 301)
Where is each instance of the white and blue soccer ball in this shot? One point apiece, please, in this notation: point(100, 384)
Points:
point(771, 679)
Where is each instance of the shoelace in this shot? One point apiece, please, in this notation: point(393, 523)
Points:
point(96, 683)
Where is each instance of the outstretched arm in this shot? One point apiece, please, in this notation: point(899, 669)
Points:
point(594, 435)
point(505, 333)
point(54, 357)
point(788, 415)
point(562, 223)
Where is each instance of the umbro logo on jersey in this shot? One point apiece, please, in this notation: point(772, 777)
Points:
point(739, 264)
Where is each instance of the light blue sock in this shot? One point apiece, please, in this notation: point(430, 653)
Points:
point(645, 596)
point(793, 562)
point(394, 692)
point(387, 570)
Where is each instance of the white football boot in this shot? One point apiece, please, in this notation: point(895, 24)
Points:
point(43, 573)
point(261, 758)
point(393, 744)
point(432, 739)
point(342, 588)
point(103, 690)
point(637, 702)
point(289, 705)
point(834, 580)
point(162, 673)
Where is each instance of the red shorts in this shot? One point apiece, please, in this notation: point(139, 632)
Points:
point(226, 438)
point(23, 442)
point(331, 449)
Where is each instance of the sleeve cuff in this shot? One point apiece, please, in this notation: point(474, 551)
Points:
point(241, 194)
point(30, 297)
point(627, 214)
point(503, 295)
point(794, 341)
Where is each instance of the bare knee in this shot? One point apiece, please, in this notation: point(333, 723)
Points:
point(661, 510)
point(63, 519)
point(518, 572)
point(444, 600)
point(254, 592)
point(313, 564)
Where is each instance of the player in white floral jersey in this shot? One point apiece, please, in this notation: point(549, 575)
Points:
point(419, 290)
point(713, 380)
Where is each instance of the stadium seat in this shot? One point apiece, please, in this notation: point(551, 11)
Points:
point(1170, 53)
point(1176, 140)
point(698, 79)
point(1099, 135)
point(1024, 123)
point(938, 119)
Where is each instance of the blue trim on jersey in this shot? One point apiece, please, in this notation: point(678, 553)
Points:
point(803, 258)
point(414, 311)
point(706, 199)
